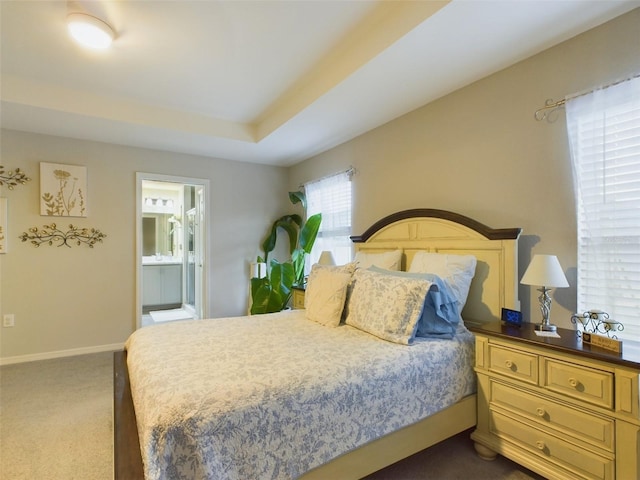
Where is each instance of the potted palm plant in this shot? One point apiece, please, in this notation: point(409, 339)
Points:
point(273, 292)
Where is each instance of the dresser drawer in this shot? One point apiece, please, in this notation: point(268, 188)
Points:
point(513, 363)
point(580, 462)
point(582, 383)
point(585, 428)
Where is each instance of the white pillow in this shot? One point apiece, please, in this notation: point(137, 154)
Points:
point(387, 260)
point(456, 270)
point(325, 295)
point(386, 306)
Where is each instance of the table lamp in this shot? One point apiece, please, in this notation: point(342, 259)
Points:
point(326, 258)
point(545, 271)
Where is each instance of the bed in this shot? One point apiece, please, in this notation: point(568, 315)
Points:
point(264, 427)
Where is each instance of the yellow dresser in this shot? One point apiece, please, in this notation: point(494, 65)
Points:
point(297, 298)
point(561, 408)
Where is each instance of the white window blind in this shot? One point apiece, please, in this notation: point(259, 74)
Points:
point(331, 196)
point(604, 135)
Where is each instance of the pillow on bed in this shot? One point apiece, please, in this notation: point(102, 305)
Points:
point(440, 316)
point(457, 270)
point(325, 294)
point(386, 306)
point(346, 268)
point(387, 260)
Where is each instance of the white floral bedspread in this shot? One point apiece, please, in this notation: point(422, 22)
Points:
point(273, 396)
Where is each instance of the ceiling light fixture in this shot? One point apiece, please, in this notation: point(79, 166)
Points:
point(90, 31)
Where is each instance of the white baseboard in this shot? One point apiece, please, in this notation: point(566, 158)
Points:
point(61, 353)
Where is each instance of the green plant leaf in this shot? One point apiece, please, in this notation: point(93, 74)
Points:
point(282, 276)
point(297, 257)
point(260, 294)
point(297, 219)
point(269, 243)
point(257, 284)
point(298, 197)
point(310, 232)
point(290, 225)
point(272, 293)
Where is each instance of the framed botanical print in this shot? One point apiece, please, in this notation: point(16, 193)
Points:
point(63, 190)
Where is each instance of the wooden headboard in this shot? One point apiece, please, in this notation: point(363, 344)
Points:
point(495, 284)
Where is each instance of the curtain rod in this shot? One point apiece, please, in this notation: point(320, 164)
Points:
point(542, 112)
point(351, 171)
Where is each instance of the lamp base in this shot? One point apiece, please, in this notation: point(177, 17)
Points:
point(548, 327)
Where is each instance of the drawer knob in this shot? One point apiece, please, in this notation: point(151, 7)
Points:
point(573, 382)
point(540, 444)
point(508, 364)
point(540, 411)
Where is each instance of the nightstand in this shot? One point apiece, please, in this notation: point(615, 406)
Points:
point(297, 301)
point(559, 407)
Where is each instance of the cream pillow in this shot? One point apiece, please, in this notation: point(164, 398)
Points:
point(456, 270)
point(346, 268)
point(387, 260)
point(325, 295)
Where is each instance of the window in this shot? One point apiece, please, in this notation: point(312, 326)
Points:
point(604, 135)
point(331, 196)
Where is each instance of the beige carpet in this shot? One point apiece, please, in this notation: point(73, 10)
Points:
point(56, 424)
point(56, 419)
point(453, 459)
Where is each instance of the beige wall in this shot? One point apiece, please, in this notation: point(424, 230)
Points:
point(69, 299)
point(479, 152)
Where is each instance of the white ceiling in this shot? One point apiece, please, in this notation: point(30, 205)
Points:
point(264, 81)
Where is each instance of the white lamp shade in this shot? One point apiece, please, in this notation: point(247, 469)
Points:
point(90, 31)
point(326, 258)
point(545, 271)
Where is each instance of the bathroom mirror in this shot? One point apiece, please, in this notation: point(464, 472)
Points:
point(160, 235)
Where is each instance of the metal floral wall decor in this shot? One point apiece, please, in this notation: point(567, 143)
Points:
point(12, 177)
point(3, 225)
point(63, 190)
point(51, 234)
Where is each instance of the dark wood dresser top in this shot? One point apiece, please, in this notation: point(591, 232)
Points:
point(569, 342)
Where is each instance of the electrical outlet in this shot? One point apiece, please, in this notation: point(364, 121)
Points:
point(8, 320)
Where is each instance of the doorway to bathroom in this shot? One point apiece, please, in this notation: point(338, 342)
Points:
point(171, 253)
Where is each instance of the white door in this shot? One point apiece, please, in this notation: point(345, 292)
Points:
point(187, 247)
point(194, 246)
point(199, 250)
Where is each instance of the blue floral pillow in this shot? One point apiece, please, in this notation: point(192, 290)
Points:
point(440, 316)
point(387, 306)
